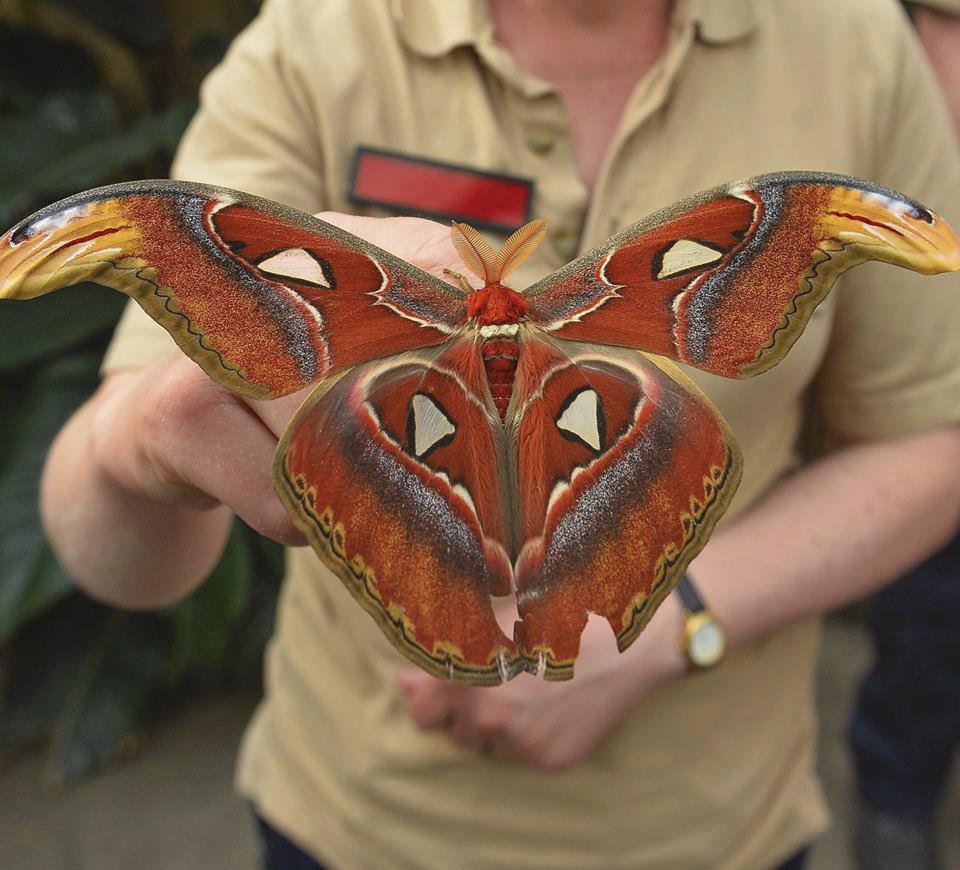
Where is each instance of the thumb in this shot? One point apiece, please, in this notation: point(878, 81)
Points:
point(426, 244)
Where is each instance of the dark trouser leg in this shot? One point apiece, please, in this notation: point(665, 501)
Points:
point(797, 862)
point(278, 853)
point(907, 723)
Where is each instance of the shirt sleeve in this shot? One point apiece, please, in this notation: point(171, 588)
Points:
point(255, 131)
point(893, 363)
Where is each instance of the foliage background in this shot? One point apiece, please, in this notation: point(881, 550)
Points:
point(94, 92)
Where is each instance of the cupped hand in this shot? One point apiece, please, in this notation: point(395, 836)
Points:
point(552, 726)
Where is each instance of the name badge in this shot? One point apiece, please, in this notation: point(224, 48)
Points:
point(443, 191)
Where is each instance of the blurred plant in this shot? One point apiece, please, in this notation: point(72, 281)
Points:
point(93, 92)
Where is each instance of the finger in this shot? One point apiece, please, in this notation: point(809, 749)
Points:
point(427, 244)
point(276, 414)
point(393, 234)
point(430, 702)
point(484, 722)
point(463, 731)
point(197, 441)
point(472, 725)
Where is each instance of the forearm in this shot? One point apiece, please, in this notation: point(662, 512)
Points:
point(120, 545)
point(833, 533)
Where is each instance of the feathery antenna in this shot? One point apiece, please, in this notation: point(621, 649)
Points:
point(491, 265)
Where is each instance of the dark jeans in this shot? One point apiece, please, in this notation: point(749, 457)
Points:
point(906, 725)
point(280, 854)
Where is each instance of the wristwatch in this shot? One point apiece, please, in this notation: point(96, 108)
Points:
point(703, 641)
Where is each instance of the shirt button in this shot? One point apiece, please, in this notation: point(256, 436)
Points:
point(540, 142)
point(565, 242)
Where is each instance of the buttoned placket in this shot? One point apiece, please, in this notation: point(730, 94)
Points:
point(533, 120)
point(613, 198)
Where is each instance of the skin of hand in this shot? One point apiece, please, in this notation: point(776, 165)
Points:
point(550, 726)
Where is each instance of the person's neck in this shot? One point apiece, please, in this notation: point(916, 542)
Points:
point(592, 51)
point(558, 39)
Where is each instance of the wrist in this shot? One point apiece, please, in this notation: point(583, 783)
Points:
point(703, 642)
point(105, 529)
point(655, 660)
point(670, 663)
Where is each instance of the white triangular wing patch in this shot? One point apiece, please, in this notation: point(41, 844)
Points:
point(686, 254)
point(430, 424)
point(582, 418)
point(296, 263)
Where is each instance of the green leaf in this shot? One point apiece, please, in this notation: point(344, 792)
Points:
point(97, 161)
point(140, 23)
point(33, 329)
point(42, 666)
point(71, 142)
point(72, 666)
point(49, 584)
point(202, 623)
point(24, 81)
point(29, 578)
point(106, 702)
point(35, 143)
point(244, 657)
point(269, 558)
point(243, 661)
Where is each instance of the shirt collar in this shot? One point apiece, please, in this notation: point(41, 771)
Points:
point(433, 28)
point(723, 21)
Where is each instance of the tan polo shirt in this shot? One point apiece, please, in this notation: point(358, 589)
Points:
point(715, 771)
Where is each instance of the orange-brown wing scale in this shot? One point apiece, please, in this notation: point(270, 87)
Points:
point(624, 467)
point(727, 280)
point(392, 472)
point(264, 298)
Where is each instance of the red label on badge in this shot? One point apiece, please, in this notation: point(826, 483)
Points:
point(440, 190)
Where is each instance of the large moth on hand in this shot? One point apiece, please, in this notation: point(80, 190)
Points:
point(466, 443)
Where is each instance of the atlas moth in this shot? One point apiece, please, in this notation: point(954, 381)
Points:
point(462, 444)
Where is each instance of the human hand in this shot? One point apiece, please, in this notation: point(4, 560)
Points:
point(552, 726)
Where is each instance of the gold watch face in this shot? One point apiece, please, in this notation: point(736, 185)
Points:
point(706, 644)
